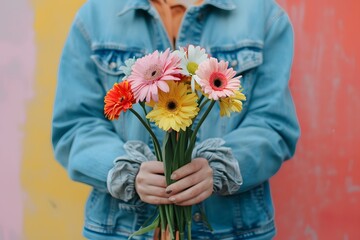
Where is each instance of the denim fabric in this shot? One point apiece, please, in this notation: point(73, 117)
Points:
point(255, 36)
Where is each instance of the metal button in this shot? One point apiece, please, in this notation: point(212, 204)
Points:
point(112, 65)
point(197, 217)
point(234, 63)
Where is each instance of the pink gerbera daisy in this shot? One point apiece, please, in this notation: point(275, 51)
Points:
point(151, 72)
point(216, 79)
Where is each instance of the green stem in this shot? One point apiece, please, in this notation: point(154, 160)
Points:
point(170, 219)
point(142, 104)
point(200, 99)
point(203, 104)
point(168, 156)
point(156, 142)
point(193, 136)
point(163, 221)
point(182, 147)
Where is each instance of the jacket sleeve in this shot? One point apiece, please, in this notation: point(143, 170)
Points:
point(226, 171)
point(84, 141)
point(268, 134)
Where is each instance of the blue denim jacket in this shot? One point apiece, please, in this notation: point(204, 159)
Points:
point(255, 36)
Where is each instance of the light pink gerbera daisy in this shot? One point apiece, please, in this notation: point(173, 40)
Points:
point(151, 72)
point(216, 79)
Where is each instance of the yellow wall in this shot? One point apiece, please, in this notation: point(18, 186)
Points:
point(53, 203)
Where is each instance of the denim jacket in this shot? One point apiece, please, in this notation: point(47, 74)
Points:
point(255, 36)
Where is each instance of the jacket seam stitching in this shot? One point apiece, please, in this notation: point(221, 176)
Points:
point(274, 19)
point(79, 24)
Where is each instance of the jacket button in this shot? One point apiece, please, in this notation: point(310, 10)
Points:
point(112, 65)
point(197, 217)
point(234, 63)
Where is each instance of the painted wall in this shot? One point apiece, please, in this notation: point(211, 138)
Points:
point(17, 67)
point(37, 201)
point(317, 194)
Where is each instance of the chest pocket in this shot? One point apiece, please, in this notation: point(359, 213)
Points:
point(244, 59)
point(109, 61)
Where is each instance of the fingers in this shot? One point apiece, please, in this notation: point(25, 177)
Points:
point(195, 183)
point(193, 195)
point(150, 183)
point(150, 176)
point(153, 184)
point(155, 200)
point(190, 168)
point(153, 167)
point(190, 175)
point(153, 195)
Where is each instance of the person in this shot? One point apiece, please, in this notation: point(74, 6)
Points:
point(234, 157)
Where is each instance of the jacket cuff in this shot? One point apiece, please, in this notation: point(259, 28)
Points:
point(121, 178)
point(226, 171)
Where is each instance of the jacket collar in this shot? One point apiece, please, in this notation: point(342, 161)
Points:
point(221, 4)
point(146, 6)
point(135, 5)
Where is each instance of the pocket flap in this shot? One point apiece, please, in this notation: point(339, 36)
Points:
point(110, 60)
point(241, 57)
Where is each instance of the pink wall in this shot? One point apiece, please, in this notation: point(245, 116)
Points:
point(317, 194)
point(17, 63)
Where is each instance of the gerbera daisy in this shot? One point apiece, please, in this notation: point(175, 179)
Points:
point(118, 99)
point(151, 72)
point(175, 109)
point(231, 104)
point(190, 61)
point(216, 79)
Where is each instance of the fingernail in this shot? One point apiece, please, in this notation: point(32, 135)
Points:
point(172, 199)
point(173, 176)
point(168, 191)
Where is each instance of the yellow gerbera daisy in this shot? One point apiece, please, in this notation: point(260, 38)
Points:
point(175, 109)
point(231, 104)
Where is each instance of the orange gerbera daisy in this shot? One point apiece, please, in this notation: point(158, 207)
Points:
point(118, 99)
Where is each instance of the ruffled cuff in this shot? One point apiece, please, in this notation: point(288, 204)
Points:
point(226, 171)
point(121, 178)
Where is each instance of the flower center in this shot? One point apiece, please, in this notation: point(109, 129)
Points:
point(192, 67)
point(218, 81)
point(171, 105)
point(153, 73)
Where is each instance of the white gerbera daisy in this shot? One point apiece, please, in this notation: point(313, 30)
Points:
point(191, 58)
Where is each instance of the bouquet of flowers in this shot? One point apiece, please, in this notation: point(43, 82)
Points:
point(176, 86)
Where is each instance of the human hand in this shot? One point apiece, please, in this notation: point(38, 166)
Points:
point(150, 183)
point(194, 183)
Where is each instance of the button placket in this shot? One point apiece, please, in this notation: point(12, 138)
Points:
point(197, 217)
point(191, 28)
